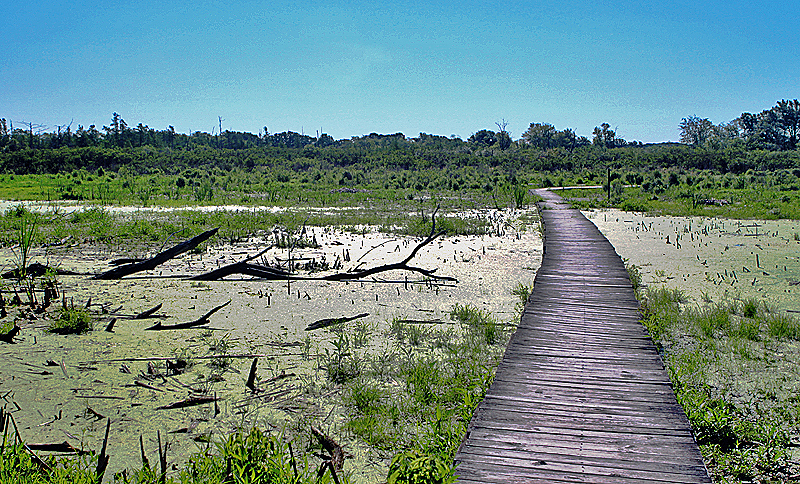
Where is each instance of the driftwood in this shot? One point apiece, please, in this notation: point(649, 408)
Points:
point(188, 402)
point(246, 268)
point(190, 324)
point(8, 336)
point(158, 259)
point(324, 323)
point(148, 313)
point(336, 459)
point(251, 379)
point(63, 447)
point(148, 386)
point(102, 459)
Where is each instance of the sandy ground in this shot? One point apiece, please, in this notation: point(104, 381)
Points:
point(69, 401)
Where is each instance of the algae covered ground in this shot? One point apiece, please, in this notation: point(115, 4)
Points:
point(720, 298)
point(65, 387)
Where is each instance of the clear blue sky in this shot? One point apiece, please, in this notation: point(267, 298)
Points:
point(351, 68)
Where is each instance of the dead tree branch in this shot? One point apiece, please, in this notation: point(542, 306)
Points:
point(263, 272)
point(153, 262)
point(197, 322)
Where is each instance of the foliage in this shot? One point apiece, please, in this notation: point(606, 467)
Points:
point(245, 456)
point(634, 274)
point(706, 349)
point(19, 466)
point(72, 321)
point(411, 467)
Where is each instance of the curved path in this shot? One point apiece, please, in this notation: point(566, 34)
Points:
point(581, 394)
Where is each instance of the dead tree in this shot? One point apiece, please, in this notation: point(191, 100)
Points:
point(263, 272)
point(158, 259)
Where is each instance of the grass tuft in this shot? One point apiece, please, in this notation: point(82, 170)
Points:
point(72, 321)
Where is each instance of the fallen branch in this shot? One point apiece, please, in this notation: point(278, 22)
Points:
point(145, 385)
point(263, 272)
point(188, 402)
point(8, 336)
point(324, 323)
point(251, 379)
point(148, 313)
point(331, 446)
point(102, 459)
point(190, 324)
point(63, 447)
point(149, 264)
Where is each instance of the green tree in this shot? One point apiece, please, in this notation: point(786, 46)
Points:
point(604, 136)
point(788, 121)
point(483, 137)
point(695, 130)
point(540, 135)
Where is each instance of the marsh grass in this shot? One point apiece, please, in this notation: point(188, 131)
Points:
point(783, 326)
point(72, 321)
point(480, 322)
point(523, 293)
point(718, 358)
point(412, 399)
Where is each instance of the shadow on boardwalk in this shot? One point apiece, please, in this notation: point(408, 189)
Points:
point(581, 394)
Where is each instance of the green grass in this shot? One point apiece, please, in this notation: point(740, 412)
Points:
point(72, 321)
point(720, 358)
point(245, 456)
point(412, 400)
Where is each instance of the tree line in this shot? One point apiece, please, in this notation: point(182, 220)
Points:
point(774, 129)
point(763, 141)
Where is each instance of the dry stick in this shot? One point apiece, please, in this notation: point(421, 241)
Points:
point(197, 322)
point(251, 379)
point(234, 268)
point(334, 449)
point(158, 259)
point(145, 462)
point(162, 457)
point(102, 460)
point(323, 323)
point(148, 313)
point(145, 385)
point(188, 402)
point(63, 447)
point(110, 327)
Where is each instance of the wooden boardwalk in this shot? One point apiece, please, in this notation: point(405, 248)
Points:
point(581, 394)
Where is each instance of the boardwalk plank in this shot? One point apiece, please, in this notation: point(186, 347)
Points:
point(581, 394)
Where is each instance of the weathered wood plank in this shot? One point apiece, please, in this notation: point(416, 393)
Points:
point(581, 394)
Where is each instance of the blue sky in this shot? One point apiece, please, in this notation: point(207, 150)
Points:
point(351, 68)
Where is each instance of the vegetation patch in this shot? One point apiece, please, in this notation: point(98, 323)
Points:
point(721, 358)
point(72, 321)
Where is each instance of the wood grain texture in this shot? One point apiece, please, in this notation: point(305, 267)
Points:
point(581, 394)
